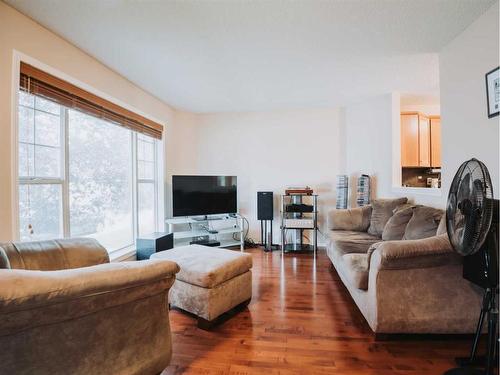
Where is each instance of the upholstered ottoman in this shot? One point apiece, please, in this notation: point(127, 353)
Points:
point(211, 281)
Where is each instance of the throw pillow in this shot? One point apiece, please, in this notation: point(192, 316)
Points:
point(357, 219)
point(423, 223)
point(381, 213)
point(395, 228)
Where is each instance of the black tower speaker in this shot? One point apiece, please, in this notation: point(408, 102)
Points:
point(152, 243)
point(265, 205)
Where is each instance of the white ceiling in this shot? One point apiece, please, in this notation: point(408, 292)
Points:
point(210, 56)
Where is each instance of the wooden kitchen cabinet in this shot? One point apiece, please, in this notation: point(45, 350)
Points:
point(424, 141)
point(435, 142)
point(419, 146)
point(409, 140)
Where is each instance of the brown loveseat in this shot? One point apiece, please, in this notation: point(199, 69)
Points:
point(64, 309)
point(411, 282)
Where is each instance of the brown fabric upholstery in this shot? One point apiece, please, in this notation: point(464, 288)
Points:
point(409, 286)
point(442, 226)
point(105, 319)
point(55, 254)
point(4, 260)
point(34, 291)
point(429, 252)
point(424, 300)
point(346, 242)
point(210, 303)
point(423, 223)
point(212, 281)
point(372, 248)
point(382, 210)
point(206, 266)
point(127, 339)
point(354, 219)
point(356, 270)
point(396, 225)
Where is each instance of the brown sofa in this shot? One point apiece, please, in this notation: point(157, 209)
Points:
point(411, 283)
point(64, 309)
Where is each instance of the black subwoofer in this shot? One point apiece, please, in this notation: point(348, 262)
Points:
point(151, 243)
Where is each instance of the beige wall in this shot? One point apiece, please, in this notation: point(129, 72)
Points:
point(269, 151)
point(466, 129)
point(372, 127)
point(256, 146)
point(368, 128)
point(372, 142)
point(181, 146)
point(20, 33)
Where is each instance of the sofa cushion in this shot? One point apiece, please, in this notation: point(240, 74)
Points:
point(423, 223)
point(357, 219)
point(396, 226)
point(346, 242)
point(382, 210)
point(206, 266)
point(355, 269)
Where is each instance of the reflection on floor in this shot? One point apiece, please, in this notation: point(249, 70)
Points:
point(301, 321)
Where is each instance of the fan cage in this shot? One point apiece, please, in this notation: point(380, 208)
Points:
point(469, 208)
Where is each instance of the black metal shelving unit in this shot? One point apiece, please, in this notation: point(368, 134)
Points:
point(291, 216)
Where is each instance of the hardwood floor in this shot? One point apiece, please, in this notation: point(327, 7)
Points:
point(301, 321)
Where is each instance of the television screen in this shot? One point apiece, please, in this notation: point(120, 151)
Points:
point(203, 195)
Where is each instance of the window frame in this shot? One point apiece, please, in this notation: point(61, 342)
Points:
point(63, 180)
point(34, 180)
point(138, 181)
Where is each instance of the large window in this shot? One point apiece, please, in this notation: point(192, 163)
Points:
point(83, 176)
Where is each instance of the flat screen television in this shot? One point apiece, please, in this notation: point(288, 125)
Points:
point(203, 195)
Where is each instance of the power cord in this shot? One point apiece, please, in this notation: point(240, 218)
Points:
point(249, 242)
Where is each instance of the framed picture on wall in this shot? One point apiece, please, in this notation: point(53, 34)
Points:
point(493, 92)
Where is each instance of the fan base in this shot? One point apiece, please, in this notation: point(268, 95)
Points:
point(464, 371)
point(479, 361)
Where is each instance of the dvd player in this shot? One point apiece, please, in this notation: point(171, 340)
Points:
point(294, 207)
point(210, 243)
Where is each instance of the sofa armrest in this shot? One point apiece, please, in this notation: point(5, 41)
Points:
point(355, 219)
point(4, 260)
point(54, 255)
point(408, 254)
point(30, 299)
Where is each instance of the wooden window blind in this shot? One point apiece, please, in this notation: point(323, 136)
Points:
point(40, 83)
